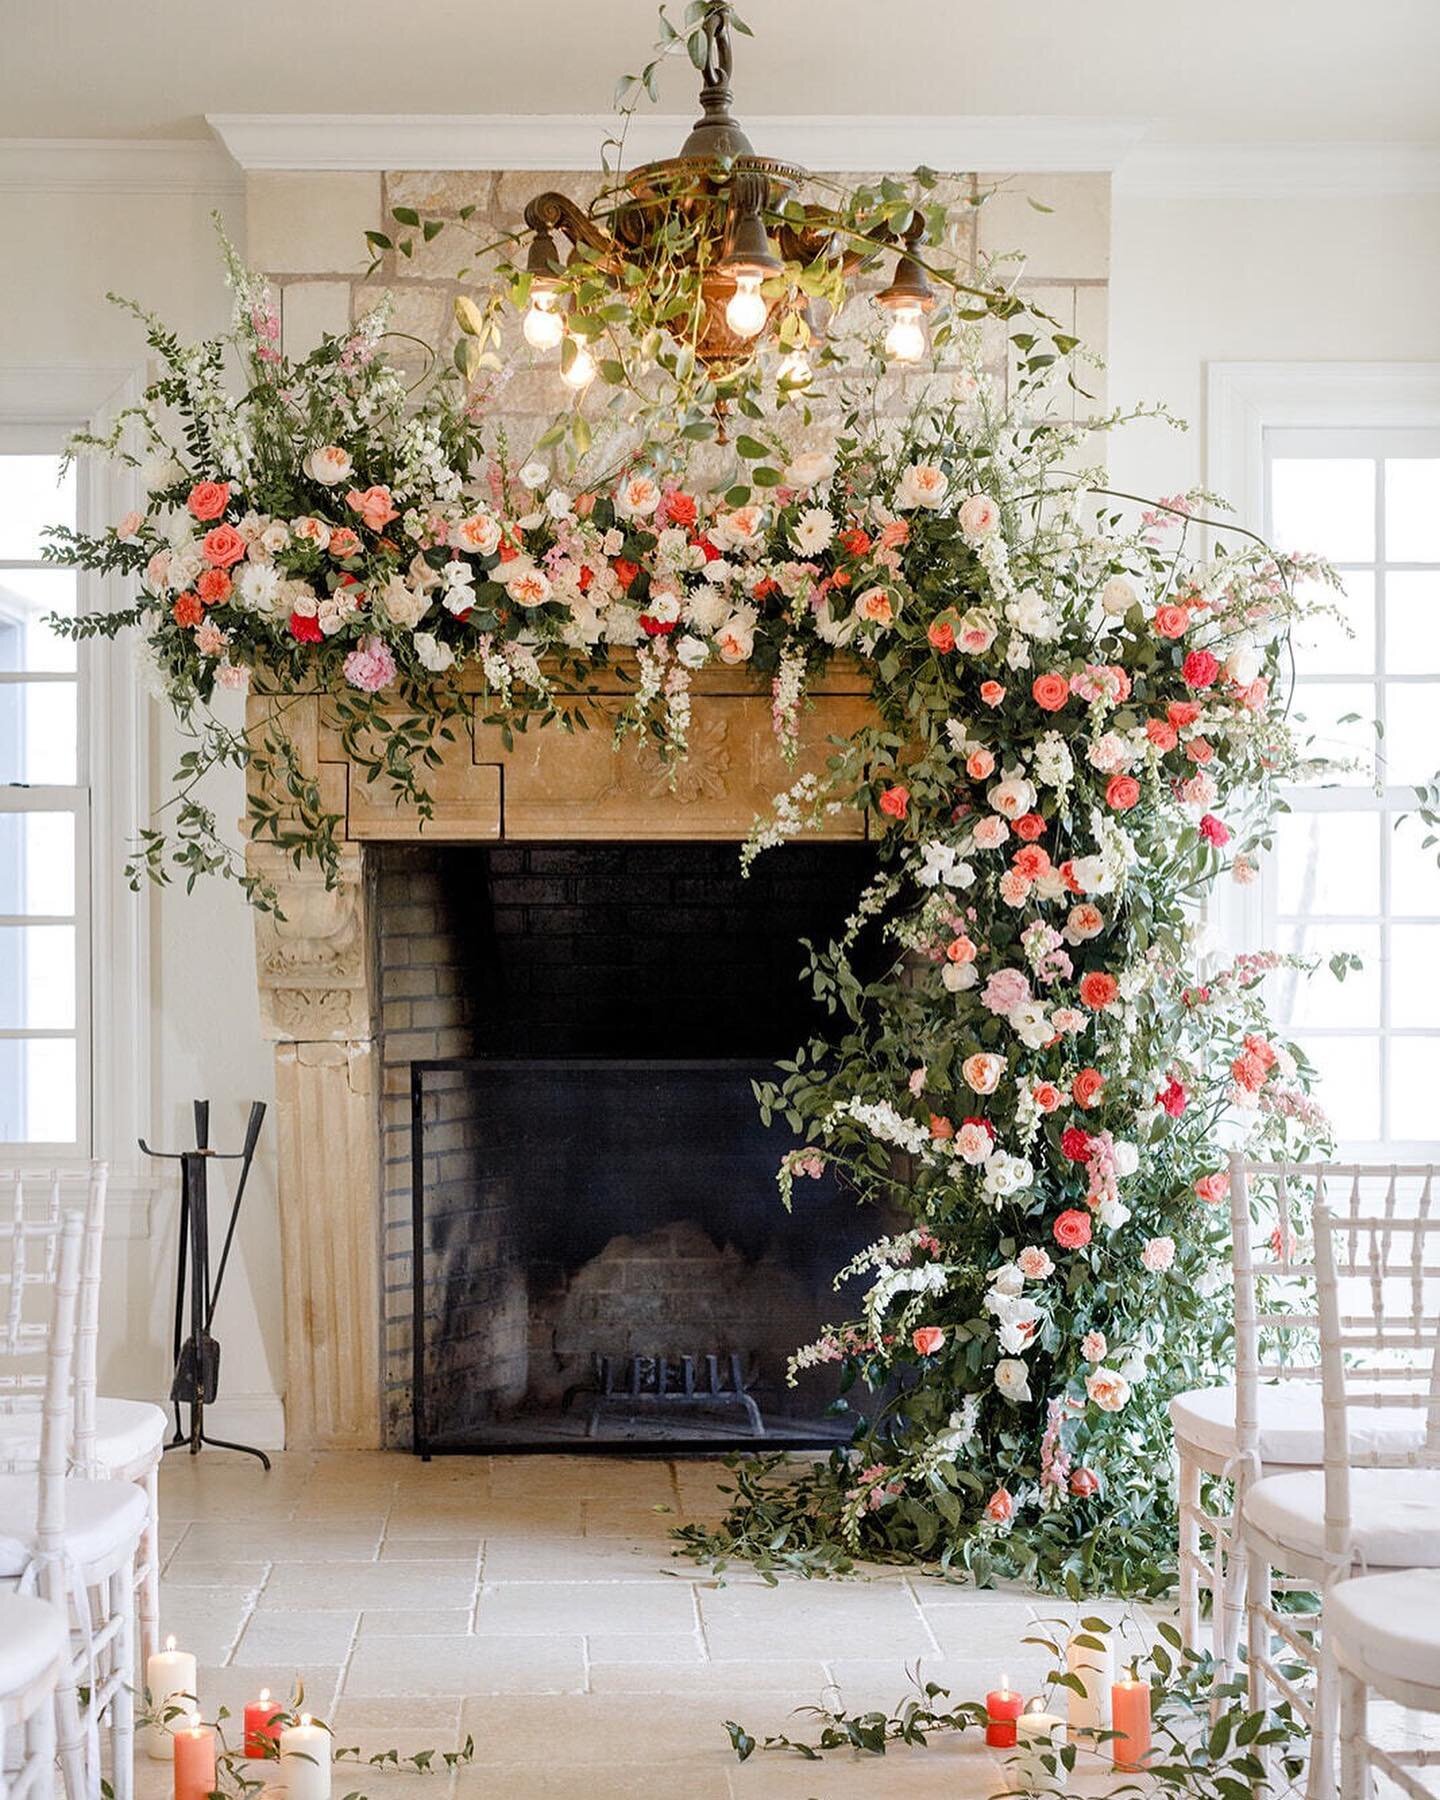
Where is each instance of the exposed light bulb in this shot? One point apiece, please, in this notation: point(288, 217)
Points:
point(746, 312)
point(543, 325)
point(794, 369)
point(905, 340)
point(581, 371)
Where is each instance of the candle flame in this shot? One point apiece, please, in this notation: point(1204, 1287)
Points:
point(264, 1695)
point(305, 1719)
point(170, 1641)
point(1004, 1684)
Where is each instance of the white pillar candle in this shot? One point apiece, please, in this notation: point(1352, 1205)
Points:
point(170, 1678)
point(305, 1760)
point(1096, 1669)
point(1039, 1734)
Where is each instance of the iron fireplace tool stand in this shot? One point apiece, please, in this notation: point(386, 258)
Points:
point(196, 1353)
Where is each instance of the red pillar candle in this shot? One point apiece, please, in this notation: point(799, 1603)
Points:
point(1002, 1709)
point(262, 1725)
point(194, 1760)
point(1130, 1720)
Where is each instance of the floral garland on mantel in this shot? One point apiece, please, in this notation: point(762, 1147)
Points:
point(1080, 725)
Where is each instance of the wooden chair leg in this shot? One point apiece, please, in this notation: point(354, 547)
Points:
point(150, 1566)
point(70, 1737)
point(122, 1705)
point(1257, 1629)
point(1320, 1775)
point(1354, 1741)
point(1189, 1549)
point(1230, 1602)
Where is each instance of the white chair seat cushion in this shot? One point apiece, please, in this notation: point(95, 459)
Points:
point(1389, 1624)
point(101, 1517)
point(1290, 1424)
point(32, 1635)
point(126, 1432)
point(1395, 1514)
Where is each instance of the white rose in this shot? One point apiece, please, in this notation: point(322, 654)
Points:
point(1012, 1379)
point(328, 465)
point(435, 656)
point(404, 606)
point(810, 469)
point(693, 652)
point(1117, 597)
point(813, 531)
point(979, 516)
point(735, 639)
point(275, 536)
point(1013, 797)
point(1242, 666)
point(1009, 1279)
point(921, 485)
point(959, 976)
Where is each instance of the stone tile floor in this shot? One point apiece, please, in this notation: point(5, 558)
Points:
point(535, 1603)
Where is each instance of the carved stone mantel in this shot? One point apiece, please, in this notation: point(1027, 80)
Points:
point(314, 966)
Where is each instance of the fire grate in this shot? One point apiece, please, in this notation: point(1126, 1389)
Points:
point(625, 1383)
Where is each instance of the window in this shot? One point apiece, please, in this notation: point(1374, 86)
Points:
point(1345, 876)
point(44, 823)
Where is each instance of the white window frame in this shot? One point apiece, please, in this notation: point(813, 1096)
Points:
point(39, 408)
point(1394, 403)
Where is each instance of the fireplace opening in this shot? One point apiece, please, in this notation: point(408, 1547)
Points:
point(595, 1252)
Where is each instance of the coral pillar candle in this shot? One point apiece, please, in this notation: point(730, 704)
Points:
point(261, 1729)
point(170, 1679)
point(1002, 1708)
point(1130, 1717)
point(1038, 1767)
point(1089, 1657)
point(194, 1759)
point(305, 1760)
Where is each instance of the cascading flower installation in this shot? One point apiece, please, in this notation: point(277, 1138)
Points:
point(1079, 725)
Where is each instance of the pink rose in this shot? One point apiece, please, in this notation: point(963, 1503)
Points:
point(1000, 1507)
point(979, 516)
point(1093, 1347)
point(1158, 1255)
point(1214, 1189)
point(927, 1339)
point(1108, 1389)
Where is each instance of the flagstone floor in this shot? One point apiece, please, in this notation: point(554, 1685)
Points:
point(534, 1603)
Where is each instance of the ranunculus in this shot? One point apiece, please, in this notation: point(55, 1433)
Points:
point(979, 516)
point(1214, 831)
point(223, 546)
point(1107, 1388)
point(1087, 1088)
point(1000, 1507)
point(370, 666)
point(1071, 1229)
point(1084, 1484)
point(1098, 990)
point(895, 801)
point(374, 506)
point(1122, 792)
point(921, 485)
point(208, 499)
point(1158, 1254)
point(982, 1071)
point(329, 465)
point(1050, 692)
point(927, 1339)
point(1172, 621)
point(1199, 669)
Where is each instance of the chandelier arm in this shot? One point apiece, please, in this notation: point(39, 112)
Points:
point(557, 212)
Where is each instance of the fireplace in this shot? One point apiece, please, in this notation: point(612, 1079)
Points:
point(585, 1246)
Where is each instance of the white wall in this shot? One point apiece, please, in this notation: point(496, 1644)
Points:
point(63, 250)
point(1200, 281)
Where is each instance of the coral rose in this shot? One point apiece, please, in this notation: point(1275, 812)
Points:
point(223, 546)
point(1046, 1096)
point(1199, 669)
point(1122, 792)
point(927, 1339)
point(1098, 990)
point(895, 802)
point(1182, 714)
point(1084, 1484)
point(980, 765)
point(992, 692)
point(1000, 1507)
point(374, 506)
point(941, 635)
point(1162, 734)
point(344, 543)
point(1050, 692)
point(1030, 826)
point(1213, 1189)
point(1071, 1230)
point(1172, 621)
point(1088, 1087)
point(208, 499)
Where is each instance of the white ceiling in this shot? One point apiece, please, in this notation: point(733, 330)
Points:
point(1202, 71)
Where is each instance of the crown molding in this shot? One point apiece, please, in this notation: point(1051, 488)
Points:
point(118, 165)
point(556, 141)
point(1316, 171)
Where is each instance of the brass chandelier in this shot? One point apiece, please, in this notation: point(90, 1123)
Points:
point(732, 219)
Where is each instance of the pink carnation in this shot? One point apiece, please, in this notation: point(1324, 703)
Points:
point(370, 666)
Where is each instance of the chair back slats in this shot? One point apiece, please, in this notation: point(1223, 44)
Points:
point(58, 1420)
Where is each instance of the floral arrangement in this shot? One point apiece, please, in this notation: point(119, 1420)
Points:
point(1080, 723)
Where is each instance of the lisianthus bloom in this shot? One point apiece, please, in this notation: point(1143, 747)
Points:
point(1122, 792)
point(1172, 621)
point(1108, 1389)
point(1050, 692)
point(1098, 990)
point(1000, 1507)
point(927, 1339)
point(208, 499)
point(895, 802)
point(1214, 831)
point(1213, 1189)
point(1072, 1229)
point(187, 611)
point(1084, 1484)
point(1088, 1087)
point(1199, 669)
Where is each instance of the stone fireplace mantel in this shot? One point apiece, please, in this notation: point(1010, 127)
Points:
point(316, 965)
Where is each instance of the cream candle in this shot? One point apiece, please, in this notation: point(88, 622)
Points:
point(1037, 1765)
point(305, 1760)
point(170, 1680)
point(194, 1759)
point(1090, 1657)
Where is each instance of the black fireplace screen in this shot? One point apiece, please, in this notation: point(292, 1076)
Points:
point(601, 1259)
